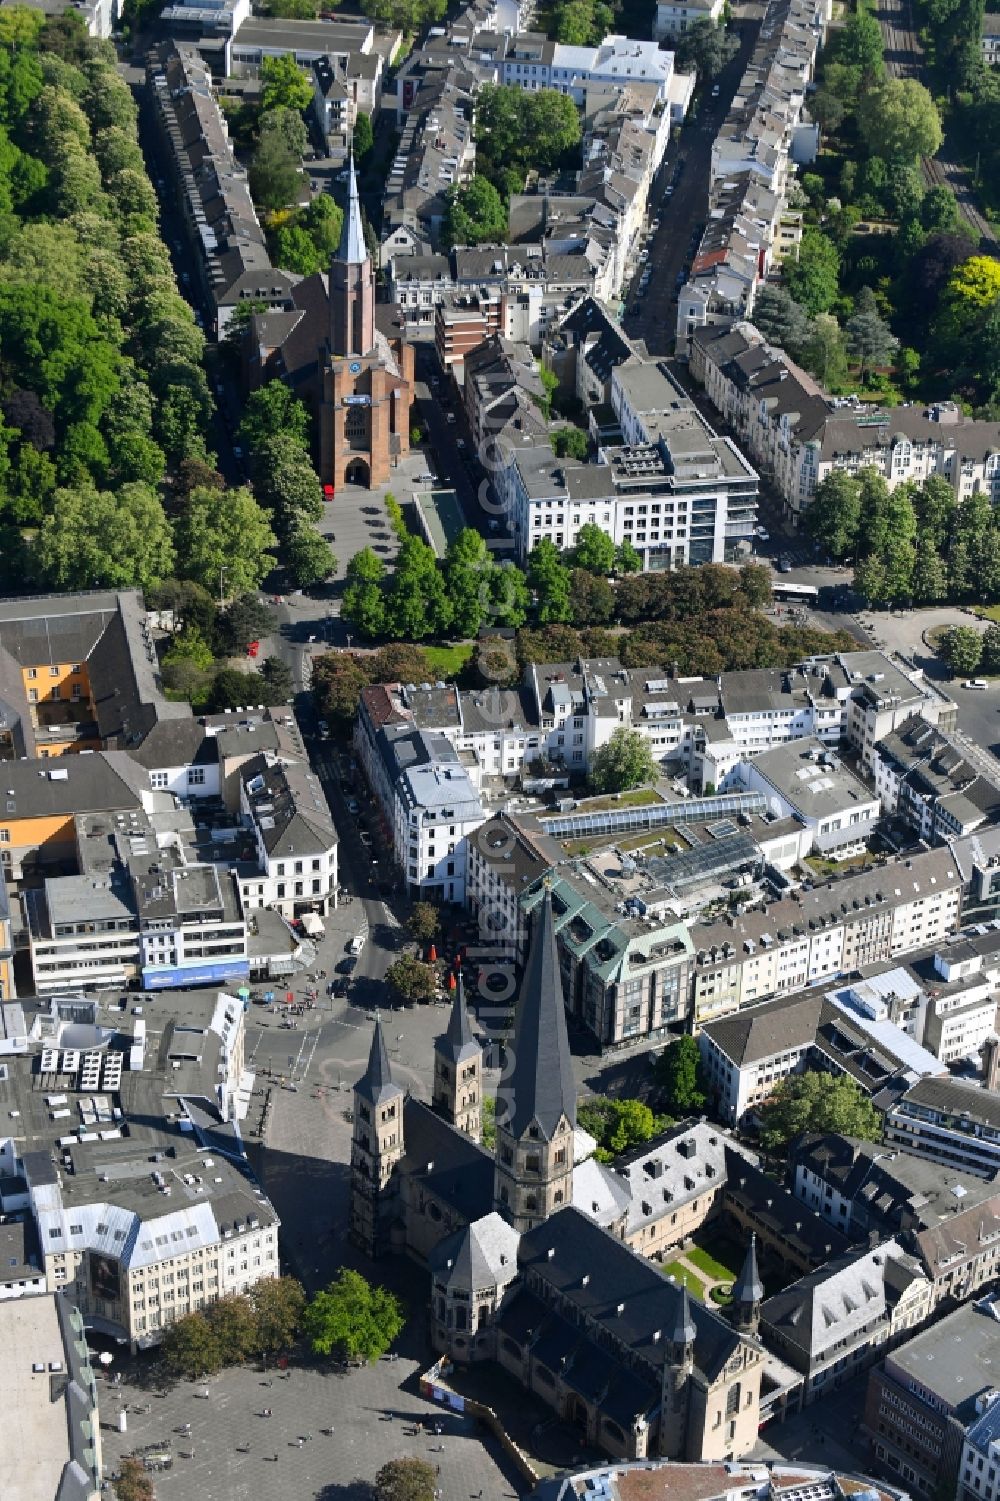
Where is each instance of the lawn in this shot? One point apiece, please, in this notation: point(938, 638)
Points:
point(448, 661)
point(716, 1270)
point(826, 868)
point(987, 612)
point(639, 797)
point(684, 1274)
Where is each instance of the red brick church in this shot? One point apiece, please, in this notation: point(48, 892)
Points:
point(364, 420)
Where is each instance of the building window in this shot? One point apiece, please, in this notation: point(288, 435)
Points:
point(196, 776)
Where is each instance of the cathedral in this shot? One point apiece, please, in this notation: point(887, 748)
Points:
point(328, 349)
point(524, 1245)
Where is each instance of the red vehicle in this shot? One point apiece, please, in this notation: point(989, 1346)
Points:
point(328, 492)
point(253, 650)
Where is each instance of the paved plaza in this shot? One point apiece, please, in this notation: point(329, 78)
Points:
point(230, 1452)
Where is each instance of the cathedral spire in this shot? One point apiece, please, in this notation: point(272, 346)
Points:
point(352, 249)
point(459, 1041)
point(539, 1088)
point(685, 1332)
point(748, 1293)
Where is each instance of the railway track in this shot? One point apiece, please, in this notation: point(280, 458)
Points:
point(904, 58)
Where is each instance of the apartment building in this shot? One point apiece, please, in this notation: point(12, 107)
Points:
point(820, 933)
point(532, 61)
point(501, 384)
point(925, 1396)
point(872, 1191)
point(979, 1465)
point(230, 263)
point(948, 1121)
point(750, 225)
point(673, 17)
point(937, 785)
point(283, 805)
point(345, 87)
point(503, 857)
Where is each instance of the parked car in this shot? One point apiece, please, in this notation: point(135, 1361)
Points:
point(352, 806)
point(784, 565)
point(356, 944)
point(980, 684)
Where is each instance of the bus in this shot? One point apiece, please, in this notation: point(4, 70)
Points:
point(794, 594)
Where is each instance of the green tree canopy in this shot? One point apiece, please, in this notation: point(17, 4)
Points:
point(679, 1070)
point(625, 761)
point(595, 551)
point(278, 1304)
point(833, 516)
point(352, 1319)
point(475, 214)
point(870, 340)
point(283, 84)
point(781, 319)
point(191, 1348)
point(899, 121)
point(224, 537)
point(705, 49)
point(549, 578)
point(424, 921)
point(411, 980)
point(814, 1101)
point(308, 557)
point(814, 278)
point(105, 539)
point(364, 600)
point(363, 138)
point(616, 1125)
point(961, 648)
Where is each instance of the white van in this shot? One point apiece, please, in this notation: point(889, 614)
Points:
point(357, 944)
point(980, 683)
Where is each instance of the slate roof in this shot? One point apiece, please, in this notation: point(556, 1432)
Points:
point(833, 1303)
point(290, 808)
point(459, 1041)
point(449, 1164)
point(540, 1088)
point(481, 1256)
point(376, 1084)
point(954, 1097)
point(631, 1301)
point(959, 1239)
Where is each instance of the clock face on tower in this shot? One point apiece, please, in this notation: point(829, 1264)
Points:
point(354, 367)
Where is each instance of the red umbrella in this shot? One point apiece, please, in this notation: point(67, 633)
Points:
point(432, 956)
point(452, 982)
point(456, 963)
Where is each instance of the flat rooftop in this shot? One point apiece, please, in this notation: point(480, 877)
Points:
point(955, 1359)
point(34, 1436)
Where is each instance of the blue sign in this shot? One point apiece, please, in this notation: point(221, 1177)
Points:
point(159, 978)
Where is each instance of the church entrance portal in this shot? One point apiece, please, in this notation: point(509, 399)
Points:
point(358, 473)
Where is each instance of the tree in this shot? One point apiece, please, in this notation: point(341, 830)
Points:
point(833, 516)
point(990, 659)
point(364, 600)
point(679, 1070)
point(411, 980)
point(275, 172)
point(627, 559)
point(549, 578)
point(191, 1348)
point(245, 619)
point(592, 599)
point(781, 319)
point(475, 214)
point(939, 211)
point(406, 1479)
point(308, 557)
point(755, 585)
point(961, 648)
point(814, 1101)
point(870, 341)
point(825, 354)
point(337, 681)
point(934, 505)
point(625, 761)
point(231, 1320)
point(930, 573)
point(467, 570)
point(283, 84)
point(224, 538)
point(278, 1304)
point(424, 921)
point(569, 443)
point(595, 551)
point(363, 138)
point(272, 410)
point(352, 1319)
point(399, 662)
point(103, 539)
point(289, 126)
point(617, 1125)
point(860, 44)
point(278, 683)
point(517, 130)
point(899, 121)
point(417, 605)
point(813, 279)
point(705, 49)
point(132, 1482)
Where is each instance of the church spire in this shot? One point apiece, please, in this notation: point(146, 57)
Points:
point(459, 1041)
point(748, 1292)
point(352, 249)
point(376, 1084)
point(539, 1089)
point(685, 1332)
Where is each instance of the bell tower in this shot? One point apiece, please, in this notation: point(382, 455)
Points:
point(536, 1101)
point(458, 1071)
point(676, 1381)
point(376, 1148)
point(748, 1293)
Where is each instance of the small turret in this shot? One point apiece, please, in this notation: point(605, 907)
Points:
point(748, 1293)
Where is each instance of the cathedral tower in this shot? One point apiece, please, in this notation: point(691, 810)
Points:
point(536, 1101)
point(676, 1381)
point(458, 1071)
point(376, 1147)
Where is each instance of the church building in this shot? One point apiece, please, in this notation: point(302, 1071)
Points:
point(525, 1246)
point(367, 379)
